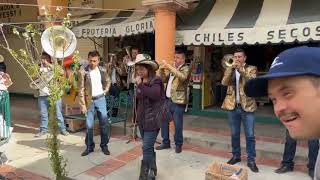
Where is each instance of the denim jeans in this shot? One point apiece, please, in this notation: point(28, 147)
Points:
point(148, 141)
point(290, 151)
point(176, 111)
point(98, 105)
point(235, 117)
point(43, 104)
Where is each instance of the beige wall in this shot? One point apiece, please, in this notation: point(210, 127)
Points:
point(18, 76)
point(86, 45)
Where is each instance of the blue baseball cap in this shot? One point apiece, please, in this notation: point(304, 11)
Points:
point(291, 62)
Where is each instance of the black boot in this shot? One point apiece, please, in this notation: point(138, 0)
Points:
point(144, 170)
point(153, 165)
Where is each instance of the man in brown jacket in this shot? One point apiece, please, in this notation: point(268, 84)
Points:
point(94, 84)
point(176, 92)
point(240, 108)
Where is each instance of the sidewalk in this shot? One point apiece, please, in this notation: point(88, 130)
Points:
point(29, 154)
point(28, 157)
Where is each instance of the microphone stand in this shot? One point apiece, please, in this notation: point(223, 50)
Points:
point(134, 136)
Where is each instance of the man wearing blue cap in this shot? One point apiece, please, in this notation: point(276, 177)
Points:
point(240, 107)
point(293, 85)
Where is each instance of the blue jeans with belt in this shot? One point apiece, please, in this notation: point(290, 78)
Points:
point(148, 141)
point(98, 105)
point(43, 104)
point(290, 151)
point(235, 117)
point(176, 111)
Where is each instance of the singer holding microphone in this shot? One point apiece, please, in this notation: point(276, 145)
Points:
point(149, 96)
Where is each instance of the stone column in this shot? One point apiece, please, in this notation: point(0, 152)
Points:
point(165, 26)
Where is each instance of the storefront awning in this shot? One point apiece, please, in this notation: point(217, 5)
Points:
point(114, 24)
point(230, 22)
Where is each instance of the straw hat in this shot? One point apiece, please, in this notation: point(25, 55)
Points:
point(1, 58)
point(144, 59)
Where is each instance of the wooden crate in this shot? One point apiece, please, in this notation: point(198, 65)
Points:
point(75, 125)
point(71, 109)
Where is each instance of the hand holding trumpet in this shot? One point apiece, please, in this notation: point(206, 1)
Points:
point(236, 64)
point(164, 64)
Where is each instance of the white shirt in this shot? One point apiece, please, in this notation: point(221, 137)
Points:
point(237, 87)
point(169, 85)
point(113, 76)
point(96, 84)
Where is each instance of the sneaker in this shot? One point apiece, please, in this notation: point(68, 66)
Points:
point(39, 134)
point(65, 133)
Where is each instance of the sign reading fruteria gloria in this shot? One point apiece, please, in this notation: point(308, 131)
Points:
point(286, 33)
point(115, 30)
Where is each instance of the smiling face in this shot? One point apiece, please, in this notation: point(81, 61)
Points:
point(296, 102)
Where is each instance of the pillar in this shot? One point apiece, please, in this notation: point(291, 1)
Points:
point(165, 34)
point(165, 26)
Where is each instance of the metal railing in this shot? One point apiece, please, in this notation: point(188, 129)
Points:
point(5, 123)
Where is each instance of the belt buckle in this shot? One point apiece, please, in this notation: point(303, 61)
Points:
point(97, 97)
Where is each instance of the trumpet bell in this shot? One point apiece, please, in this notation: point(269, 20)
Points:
point(227, 60)
point(58, 41)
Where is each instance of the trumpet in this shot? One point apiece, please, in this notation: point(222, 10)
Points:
point(227, 61)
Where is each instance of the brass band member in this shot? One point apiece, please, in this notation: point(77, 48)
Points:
point(176, 93)
point(116, 70)
point(240, 107)
point(43, 99)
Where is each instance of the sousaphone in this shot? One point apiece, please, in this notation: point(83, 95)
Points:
point(58, 41)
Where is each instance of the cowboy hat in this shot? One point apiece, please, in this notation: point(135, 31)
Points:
point(144, 59)
point(1, 58)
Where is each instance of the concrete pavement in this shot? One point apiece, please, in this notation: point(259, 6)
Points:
point(29, 154)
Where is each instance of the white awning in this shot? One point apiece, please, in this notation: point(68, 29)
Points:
point(251, 22)
point(114, 24)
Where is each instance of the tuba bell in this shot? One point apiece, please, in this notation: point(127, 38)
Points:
point(58, 41)
point(227, 60)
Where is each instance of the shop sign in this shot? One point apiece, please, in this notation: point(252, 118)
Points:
point(83, 3)
point(121, 29)
point(287, 33)
point(16, 13)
